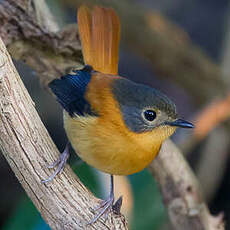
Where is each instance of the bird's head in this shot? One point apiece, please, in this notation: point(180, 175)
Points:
point(146, 110)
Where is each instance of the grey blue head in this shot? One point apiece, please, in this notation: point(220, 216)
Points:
point(144, 108)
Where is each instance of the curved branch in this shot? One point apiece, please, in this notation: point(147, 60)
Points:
point(181, 192)
point(50, 54)
point(46, 52)
point(65, 203)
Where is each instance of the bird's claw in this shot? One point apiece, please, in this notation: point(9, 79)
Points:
point(60, 163)
point(106, 207)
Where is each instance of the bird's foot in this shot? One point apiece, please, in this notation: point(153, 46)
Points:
point(60, 163)
point(106, 207)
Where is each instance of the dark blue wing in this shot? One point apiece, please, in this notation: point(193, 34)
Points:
point(70, 91)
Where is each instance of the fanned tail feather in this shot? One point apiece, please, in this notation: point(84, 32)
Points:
point(99, 31)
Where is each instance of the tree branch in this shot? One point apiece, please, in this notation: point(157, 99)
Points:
point(50, 54)
point(181, 192)
point(65, 203)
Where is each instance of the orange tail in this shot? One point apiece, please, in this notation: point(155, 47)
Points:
point(99, 31)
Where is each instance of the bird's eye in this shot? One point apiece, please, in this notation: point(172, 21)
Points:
point(150, 115)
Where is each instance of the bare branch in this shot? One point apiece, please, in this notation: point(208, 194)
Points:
point(44, 16)
point(65, 203)
point(50, 54)
point(181, 192)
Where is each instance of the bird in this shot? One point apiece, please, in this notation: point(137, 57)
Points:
point(114, 124)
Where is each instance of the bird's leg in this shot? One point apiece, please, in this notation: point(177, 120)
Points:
point(107, 205)
point(60, 163)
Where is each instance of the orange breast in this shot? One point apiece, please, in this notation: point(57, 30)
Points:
point(104, 142)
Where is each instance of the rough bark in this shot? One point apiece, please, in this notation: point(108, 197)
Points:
point(49, 54)
point(65, 203)
point(24, 139)
point(181, 192)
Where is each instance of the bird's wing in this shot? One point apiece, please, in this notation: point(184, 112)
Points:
point(70, 91)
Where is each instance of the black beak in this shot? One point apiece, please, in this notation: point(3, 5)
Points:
point(181, 123)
